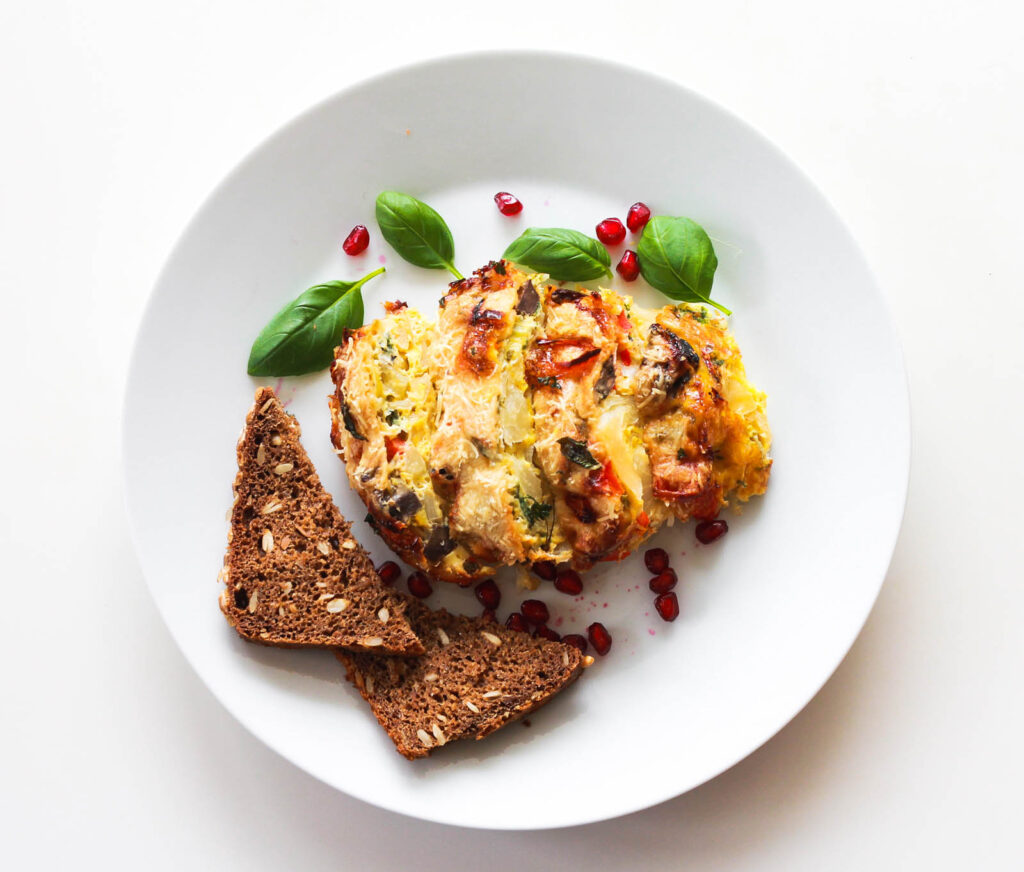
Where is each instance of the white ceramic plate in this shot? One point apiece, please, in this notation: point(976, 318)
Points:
point(767, 613)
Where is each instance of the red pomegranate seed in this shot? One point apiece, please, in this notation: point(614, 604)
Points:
point(708, 531)
point(656, 560)
point(663, 582)
point(489, 616)
point(569, 581)
point(419, 585)
point(545, 569)
point(667, 606)
point(629, 266)
point(547, 633)
point(389, 572)
point(516, 621)
point(577, 641)
point(488, 594)
point(507, 204)
point(535, 611)
point(356, 242)
point(600, 638)
point(637, 217)
point(610, 231)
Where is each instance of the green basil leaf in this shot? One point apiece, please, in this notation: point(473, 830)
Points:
point(350, 422)
point(531, 509)
point(301, 337)
point(416, 231)
point(566, 255)
point(578, 453)
point(677, 258)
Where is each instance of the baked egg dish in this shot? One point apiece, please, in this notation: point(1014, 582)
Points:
point(534, 422)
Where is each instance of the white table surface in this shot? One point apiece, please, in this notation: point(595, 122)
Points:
point(120, 117)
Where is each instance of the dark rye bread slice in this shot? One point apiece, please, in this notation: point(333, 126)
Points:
point(475, 677)
point(295, 575)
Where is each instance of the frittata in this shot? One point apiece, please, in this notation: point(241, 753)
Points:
point(534, 422)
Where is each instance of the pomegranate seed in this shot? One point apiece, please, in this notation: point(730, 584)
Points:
point(507, 204)
point(667, 606)
point(545, 569)
point(629, 266)
point(516, 621)
point(663, 582)
point(577, 641)
point(708, 531)
point(610, 231)
point(600, 638)
point(547, 633)
point(637, 217)
point(356, 242)
point(488, 594)
point(489, 616)
point(569, 581)
point(535, 611)
point(656, 560)
point(419, 585)
point(389, 572)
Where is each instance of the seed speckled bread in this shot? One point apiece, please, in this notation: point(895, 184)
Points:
point(295, 576)
point(475, 677)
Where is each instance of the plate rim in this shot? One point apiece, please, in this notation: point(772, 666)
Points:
point(533, 55)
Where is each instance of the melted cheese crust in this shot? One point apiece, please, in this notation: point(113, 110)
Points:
point(533, 422)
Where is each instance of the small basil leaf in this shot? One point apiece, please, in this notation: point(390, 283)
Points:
point(677, 258)
point(531, 509)
point(301, 337)
point(350, 423)
point(578, 453)
point(566, 255)
point(416, 231)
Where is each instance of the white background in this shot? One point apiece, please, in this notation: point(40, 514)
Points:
point(119, 118)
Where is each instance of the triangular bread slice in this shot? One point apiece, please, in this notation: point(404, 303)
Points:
point(295, 575)
point(475, 677)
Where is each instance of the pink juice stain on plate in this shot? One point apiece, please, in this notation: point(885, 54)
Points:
point(277, 390)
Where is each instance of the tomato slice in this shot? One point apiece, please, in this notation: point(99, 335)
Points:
point(560, 358)
point(605, 481)
point(394, 444)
